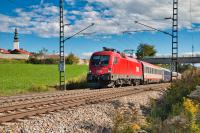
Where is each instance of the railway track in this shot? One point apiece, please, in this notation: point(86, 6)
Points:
point(59, 101)
point(22, 98)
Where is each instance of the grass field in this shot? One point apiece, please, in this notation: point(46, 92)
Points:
point(21, 78)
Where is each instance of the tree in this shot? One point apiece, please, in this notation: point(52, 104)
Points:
point(184, 67)
point(43, 51)
point(145, 50)
point(72, 59)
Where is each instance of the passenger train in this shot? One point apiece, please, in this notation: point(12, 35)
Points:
point(110, 68)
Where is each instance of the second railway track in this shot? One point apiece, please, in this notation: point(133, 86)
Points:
point(48, 104)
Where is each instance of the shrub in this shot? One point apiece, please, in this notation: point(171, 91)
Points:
point(50, 61)
point(12, 61)
point(38, 88)
point(33, 60)
point(77, 83)
point(174, 108)
point(126, 121)
point(174, 97)
point(120, 124)
point(71, 59)
point(190, 112)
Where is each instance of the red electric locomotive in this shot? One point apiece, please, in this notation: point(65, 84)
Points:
point(111, 68)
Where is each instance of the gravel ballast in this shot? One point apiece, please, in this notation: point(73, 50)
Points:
point(95, 118)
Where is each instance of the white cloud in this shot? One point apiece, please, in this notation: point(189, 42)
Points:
point(123, 13)
point(112, 17)
point(40, 20)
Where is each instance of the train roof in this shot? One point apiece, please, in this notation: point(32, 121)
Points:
point(166, 69)
point(122, 55)
point(151, 65)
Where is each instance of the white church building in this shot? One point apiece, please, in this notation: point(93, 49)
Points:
point(16, 40)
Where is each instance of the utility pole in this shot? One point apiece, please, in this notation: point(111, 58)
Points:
point(62, 73)
point(192, 54)
point(192, 50)
point(174, 36)
point(174, 59)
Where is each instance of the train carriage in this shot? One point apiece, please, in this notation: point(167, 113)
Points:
point(152, 73)
point(166, 75)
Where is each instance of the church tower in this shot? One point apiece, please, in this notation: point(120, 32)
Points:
point(16, 40)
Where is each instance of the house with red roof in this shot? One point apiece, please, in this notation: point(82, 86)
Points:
point(20, 51)
point(16, 53)
point(4, 51)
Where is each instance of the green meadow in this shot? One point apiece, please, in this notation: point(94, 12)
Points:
point(23, 78)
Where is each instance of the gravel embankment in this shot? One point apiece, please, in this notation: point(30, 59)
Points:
point(96, 118)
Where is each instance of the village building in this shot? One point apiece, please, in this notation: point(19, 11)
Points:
point(20, 51)
point(17, 52)
point(16, 40)
point(4, 51)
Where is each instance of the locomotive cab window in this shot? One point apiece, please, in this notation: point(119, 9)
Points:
point(100, 60)
point(115, 60)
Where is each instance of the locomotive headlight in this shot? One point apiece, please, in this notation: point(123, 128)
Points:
point(109, 70)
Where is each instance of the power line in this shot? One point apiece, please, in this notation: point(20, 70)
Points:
point(79, 32)
point(153, 28)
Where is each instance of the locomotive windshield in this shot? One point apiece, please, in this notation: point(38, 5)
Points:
point(100, 60)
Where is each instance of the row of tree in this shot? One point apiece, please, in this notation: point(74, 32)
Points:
point(35, 59)
point(142, 51)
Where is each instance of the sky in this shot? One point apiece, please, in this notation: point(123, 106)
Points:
point(37, 22)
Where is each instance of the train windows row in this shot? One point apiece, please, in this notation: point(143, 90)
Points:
point(167, 73)
point(152, 70)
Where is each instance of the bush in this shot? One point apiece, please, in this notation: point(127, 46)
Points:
point(38, 88)
point(51, 61)
point(71, 59)
point(12, 61)
point(33, 60)
point(172, 108)
point(120, 124)
point(77, 83)
point(190, 112)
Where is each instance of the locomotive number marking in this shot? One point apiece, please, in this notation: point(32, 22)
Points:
point(137, 69)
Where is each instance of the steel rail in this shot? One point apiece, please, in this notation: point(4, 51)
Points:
point(38, 96)
point(27, 98)
point(46, 101)
point(32, 109)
